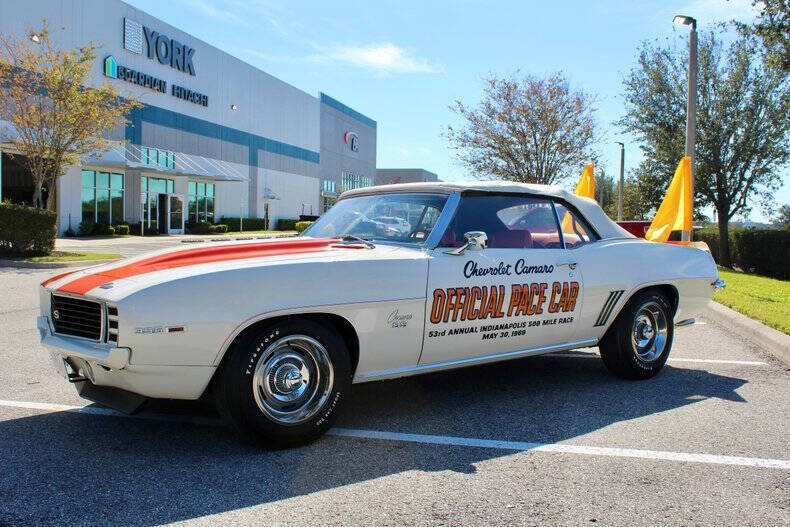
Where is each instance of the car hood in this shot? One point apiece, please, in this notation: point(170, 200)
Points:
point(118, 279)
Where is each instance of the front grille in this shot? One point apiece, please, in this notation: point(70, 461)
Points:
point(77, 317)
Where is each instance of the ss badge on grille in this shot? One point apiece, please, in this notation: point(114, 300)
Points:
point(56, 314)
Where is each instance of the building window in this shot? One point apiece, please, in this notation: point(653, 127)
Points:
point(330, 186)
point(156, 157)
point(351, 181)
point(201, 202)
point(151, 187)
point(102, 197)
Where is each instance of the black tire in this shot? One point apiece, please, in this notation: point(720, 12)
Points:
point(620, 348)
point(259, 372)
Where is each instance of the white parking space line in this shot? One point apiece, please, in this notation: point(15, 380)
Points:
point(585, 355)
point(518, 446)
point(565, 448)
point(721, 361)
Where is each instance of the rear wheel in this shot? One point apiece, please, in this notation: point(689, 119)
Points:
point(638, 344)
point(283, 384)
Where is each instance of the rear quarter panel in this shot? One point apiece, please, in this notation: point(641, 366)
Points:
point(629, 265)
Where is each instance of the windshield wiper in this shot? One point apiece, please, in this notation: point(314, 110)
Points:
point(363, 241)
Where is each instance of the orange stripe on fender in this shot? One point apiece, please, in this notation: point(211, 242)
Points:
point(174, 260)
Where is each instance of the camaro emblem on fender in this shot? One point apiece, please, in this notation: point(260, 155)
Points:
point(149, 330)
point(396, 320)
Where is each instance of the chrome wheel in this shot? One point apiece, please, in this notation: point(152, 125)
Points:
point(293, 379)
point(649, 333)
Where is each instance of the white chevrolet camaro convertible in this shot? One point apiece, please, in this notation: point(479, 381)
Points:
point(276, 331)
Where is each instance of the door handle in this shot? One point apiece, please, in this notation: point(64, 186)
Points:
point(571, 265)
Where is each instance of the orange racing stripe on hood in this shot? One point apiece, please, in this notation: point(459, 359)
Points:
point(56, 277)
point(188, 257)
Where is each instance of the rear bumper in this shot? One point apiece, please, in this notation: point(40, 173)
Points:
point(107, 365)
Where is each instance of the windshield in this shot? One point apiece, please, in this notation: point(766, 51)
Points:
point(406, 217)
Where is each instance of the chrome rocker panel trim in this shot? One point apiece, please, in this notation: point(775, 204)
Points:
point(426, 368)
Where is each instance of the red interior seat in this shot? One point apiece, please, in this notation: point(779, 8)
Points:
point(515, 239)
point(449, 239)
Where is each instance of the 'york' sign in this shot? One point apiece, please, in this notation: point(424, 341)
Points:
point(166, 50)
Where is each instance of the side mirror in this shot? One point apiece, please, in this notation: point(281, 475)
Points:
point(475, 241)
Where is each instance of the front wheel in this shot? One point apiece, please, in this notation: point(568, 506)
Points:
point(638, 344)
point(283, 384)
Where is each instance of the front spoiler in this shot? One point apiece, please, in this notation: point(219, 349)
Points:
point(115, 398)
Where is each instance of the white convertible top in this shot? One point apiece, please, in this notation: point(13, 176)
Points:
point(605, 227)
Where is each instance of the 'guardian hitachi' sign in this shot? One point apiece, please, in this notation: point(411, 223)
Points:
point(166, 50)
point(117, 71)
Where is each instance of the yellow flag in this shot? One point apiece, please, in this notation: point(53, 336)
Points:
point(674, 214)
point(585, 188)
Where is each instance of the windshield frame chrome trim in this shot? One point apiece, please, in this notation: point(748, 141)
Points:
point(445, 217)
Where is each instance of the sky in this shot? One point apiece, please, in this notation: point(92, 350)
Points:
point(403, 63)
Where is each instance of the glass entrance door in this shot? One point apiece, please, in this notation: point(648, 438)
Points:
point(176, 215)
point(164, 213)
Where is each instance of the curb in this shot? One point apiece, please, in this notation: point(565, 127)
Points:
point(21, 264)
point(771, 340)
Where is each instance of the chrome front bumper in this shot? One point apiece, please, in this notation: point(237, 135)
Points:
point(106, 365)
point(105, 355)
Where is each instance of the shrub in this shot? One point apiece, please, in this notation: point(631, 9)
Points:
point(710, 235)
point(26, 230)
point(286, 224)
point(765, 252)
point(122, 229)
point(86, 228)
point(103, 229)
point(219, 228)
point(198, 228)
point(302, 225)
point(134, 230)
point(249, 224)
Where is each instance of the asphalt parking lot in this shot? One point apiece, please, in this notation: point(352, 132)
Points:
point(540, 441)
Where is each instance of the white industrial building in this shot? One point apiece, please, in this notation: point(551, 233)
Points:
point(216, 138)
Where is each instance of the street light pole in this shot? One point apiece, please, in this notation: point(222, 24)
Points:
point(691, 102)
point(620, 188)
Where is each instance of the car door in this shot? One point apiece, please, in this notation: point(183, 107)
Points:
point(522, 291)
point(606, 289)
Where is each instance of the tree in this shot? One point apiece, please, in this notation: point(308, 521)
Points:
point(604, 191)
point(783, 216)
point(527, 129)
point(57, 118)
point(772, 26)
point(635, 207)
point(742, 126)
point(649, 183)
